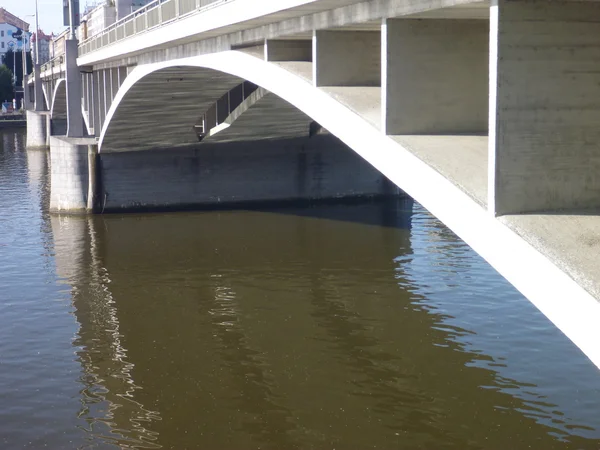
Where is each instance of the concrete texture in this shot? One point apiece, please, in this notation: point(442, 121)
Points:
point(237, 172)
point(69, 174)
point(237, 23)
point(75, 124)
point(58, 109)
point(160, 110)
point(347, 58)
point(288, 50)
point(435, 76)
point(544, 111)
point(571, 240)
point(461, 159)
point(37, 128)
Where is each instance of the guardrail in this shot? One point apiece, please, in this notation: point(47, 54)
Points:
point(56, 62)
point(153, 15)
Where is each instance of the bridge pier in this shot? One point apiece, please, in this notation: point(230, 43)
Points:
point(434, 76)
point(38, 128)
point(72, 175)
point(544, 148)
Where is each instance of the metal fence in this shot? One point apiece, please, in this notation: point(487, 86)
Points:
point(154, 14)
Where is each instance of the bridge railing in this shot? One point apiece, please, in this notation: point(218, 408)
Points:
point(154, 14)
point(55, 62)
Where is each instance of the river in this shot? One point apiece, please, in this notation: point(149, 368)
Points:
point(356, 326)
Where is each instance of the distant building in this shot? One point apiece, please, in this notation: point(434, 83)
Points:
point(10, 24)
point(100, 15)
point(44, 46)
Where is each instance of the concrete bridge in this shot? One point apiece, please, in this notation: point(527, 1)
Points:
point(484, 112)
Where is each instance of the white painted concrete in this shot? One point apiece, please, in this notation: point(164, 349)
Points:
point(545, 112)
point(347, 58)
point(434, 76)
point(533, 273)
point(37, 129)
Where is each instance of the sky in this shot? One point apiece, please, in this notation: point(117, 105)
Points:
point(50, 12)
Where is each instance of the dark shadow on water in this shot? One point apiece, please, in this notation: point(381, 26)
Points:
point(389, 212)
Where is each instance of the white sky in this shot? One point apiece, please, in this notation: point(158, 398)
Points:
point(50, 12)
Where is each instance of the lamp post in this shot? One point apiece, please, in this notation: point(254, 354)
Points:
point(26, 38)
point(39, 93)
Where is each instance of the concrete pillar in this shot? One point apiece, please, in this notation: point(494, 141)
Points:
point(36, 128)
point(93, 196)
point(434, 76)
point(84, 92)
point(288, 50)
point(114, 83)
point(101, 99)
point(122, 74)
point(69, 176)
point(346, 58)
point(96, 100)
point(90, 96)
point(544, 145)
point(73, 75)
point(39, 93)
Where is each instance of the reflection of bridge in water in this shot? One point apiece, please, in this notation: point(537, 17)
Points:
point(192, 334)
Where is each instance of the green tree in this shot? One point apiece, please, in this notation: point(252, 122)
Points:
point(6, 84)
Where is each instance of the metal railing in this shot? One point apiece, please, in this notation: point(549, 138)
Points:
point(56, 62)
point(153, 15)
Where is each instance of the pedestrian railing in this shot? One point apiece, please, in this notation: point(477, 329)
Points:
point(55, 62)
point(153, 15)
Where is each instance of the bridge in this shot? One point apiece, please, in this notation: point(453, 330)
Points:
point(484, 112)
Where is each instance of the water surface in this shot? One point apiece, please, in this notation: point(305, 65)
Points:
point(329, 327)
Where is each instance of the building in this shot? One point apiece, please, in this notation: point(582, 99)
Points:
point(44, 46)
point(98, 16)
point(10, 24)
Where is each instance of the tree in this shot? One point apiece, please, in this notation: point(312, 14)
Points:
point(6, 84)
point(10, 62)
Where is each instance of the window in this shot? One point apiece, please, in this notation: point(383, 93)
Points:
point(2, 33)
point(3, 45)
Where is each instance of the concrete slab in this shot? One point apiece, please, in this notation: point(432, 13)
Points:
point(571, 241)
point(461, 159)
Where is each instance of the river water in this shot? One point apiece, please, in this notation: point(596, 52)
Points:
point(332, 327)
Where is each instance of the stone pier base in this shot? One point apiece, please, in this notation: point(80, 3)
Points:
point(37, 128)
point(69, 174)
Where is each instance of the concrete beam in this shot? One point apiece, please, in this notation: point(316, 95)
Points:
point(544, 146)
point(347, 58)
point(73, 75)
point(434, 76)
point(288, 50)
point(96, 103)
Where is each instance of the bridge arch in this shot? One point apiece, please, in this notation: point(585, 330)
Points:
point(358, 129)
point(58, 108)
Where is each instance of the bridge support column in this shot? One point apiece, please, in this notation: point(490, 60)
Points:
point(38, 89)
point(347, 58)
point(434, 76)
point(37, 128)
point(70, 175)
point(544, 146)
point(96, 123)
point(73, 75)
